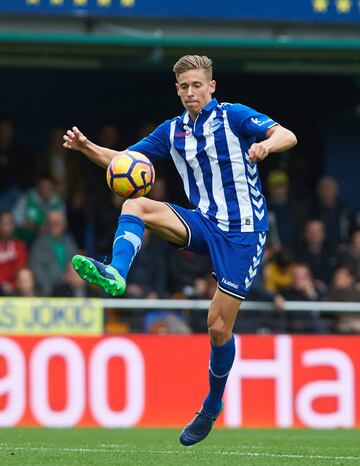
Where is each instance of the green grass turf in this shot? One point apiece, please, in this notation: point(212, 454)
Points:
point(161, 447)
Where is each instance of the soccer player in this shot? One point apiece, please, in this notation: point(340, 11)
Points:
point(215, 148)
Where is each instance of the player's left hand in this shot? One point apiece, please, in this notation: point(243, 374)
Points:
point(257, 152)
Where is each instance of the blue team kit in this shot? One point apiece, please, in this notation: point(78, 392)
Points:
point(230, 219)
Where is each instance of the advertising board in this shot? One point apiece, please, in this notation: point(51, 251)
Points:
point(148, 380)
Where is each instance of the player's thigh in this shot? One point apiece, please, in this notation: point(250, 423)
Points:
point(159, 218)
point(223, 311)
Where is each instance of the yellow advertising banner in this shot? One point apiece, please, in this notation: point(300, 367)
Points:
point(51, 316)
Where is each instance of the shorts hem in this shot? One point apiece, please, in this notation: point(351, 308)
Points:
point(231, 293)
point(184, 223)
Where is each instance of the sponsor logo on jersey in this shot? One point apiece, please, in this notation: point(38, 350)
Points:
point(181, 135)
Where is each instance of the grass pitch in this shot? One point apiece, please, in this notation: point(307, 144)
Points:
point(161, 447)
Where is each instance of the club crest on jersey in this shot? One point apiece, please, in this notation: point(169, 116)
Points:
point(215, 124)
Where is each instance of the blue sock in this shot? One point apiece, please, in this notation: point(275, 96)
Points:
point(221, 361)
point(127, 242)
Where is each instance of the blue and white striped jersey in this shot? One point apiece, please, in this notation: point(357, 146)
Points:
point(210, 155)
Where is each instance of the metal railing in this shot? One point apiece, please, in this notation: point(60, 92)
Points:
point(201, 305)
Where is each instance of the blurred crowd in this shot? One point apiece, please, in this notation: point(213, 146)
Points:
point(54, 204)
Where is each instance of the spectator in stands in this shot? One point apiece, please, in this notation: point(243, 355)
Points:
point(348, 323)
point(343, 286)
point(51, 252)
point(278, 272)
point(316, 252)
point(25, 284)
point(304, 286)
point(63, 168)
point(68, 173)
point(285, 215)
point(15, 166)
point(13, 253)
point(304, 289)
point(32, 207)
point(349, 254)
point(71, 285)
point(185, 267)
point(166, 322)
point(337, 217)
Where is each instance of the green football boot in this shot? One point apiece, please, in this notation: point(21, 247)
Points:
point(105, 276)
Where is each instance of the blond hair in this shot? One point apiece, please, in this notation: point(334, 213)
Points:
point(193, 62)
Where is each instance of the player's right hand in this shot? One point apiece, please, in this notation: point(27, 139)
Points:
point(74, 139)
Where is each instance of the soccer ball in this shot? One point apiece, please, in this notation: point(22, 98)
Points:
point(130, 174)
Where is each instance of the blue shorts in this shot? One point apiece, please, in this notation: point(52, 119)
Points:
point(235, 256)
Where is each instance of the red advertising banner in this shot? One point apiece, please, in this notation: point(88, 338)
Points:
point(146, 380)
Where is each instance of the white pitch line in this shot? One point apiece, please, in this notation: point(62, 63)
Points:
point(60, 450)
point(288, 455)
point(177, 452)
point(114, 445)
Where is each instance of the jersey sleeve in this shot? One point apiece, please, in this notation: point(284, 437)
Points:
point(248, 122)
point(157, 144)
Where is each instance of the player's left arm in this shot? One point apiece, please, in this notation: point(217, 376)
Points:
point(278, 139)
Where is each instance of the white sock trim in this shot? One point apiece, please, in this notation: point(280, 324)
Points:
point(218, 376)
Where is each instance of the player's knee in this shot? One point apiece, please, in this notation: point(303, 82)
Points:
point(134, 207)
point(219, 331)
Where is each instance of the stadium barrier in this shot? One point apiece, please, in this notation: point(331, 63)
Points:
point(83, 316)
point(202, 304)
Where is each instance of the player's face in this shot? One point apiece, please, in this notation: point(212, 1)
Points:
point(195, 90)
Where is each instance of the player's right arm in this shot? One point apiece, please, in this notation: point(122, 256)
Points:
point(76, 140)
